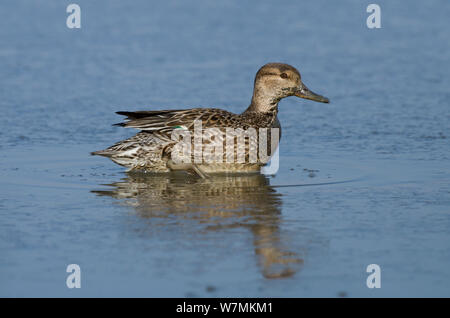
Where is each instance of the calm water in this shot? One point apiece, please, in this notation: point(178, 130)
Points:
point(362, 180)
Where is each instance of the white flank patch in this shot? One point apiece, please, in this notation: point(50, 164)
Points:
point(129, 152)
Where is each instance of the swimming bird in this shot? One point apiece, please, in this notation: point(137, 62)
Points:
point(150, 150)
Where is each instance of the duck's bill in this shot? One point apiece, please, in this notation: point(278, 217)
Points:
point(305, 92)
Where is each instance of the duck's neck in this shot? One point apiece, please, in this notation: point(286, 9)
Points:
point(263, 103)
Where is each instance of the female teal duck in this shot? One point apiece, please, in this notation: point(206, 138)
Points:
point(150, 149)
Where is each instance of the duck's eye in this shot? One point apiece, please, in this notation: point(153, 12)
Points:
point(283, 75)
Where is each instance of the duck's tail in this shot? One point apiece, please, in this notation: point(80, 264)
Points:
point(141, 151)
point(126, 158)
point(105, 153)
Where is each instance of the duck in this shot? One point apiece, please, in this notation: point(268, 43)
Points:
point(150, 150)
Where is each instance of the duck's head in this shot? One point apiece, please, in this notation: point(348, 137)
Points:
point(275, 81)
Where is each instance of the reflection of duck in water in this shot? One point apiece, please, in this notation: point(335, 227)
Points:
point(222, 202)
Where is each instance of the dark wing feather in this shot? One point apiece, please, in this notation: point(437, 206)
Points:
point(164, 120)
point(144, 113)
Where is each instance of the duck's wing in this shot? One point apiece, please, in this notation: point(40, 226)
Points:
point(167, 120)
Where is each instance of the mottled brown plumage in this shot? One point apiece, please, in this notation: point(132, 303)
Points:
point(150, 149)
